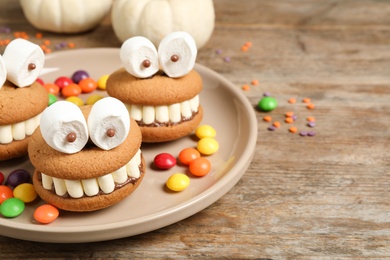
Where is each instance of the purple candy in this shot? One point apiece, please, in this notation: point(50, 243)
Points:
point(311, 133)
point(271, 128)
point(294, 117)
point(227, 59)
point(17, 177)
point(219, 51)
point(79, 75)
point(303, 133)
point(266, 94)
point(311, 124)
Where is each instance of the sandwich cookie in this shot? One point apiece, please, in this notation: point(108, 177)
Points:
point(22, 99)
point(160, 88)
point(86, 158)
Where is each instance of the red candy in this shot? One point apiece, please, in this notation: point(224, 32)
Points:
point(71, 90)
point(164, 161)
point(5, 193)
point(87, 85)
point(1, 178)
point(200, 166)
point(40, 81)
point(63, 81)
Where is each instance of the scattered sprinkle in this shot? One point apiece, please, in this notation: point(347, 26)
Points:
point(293, 129)
point(255, 82)
point(218, 51)
point(276, 124)
point(289, 120)
point(311, 124)
point(245, 87)
point(271, 128)
point(311, 119)
point(303, 133)
point(266, 94)
point(306, 100)
point(227, 59)
point(310, 106)
point(244, 48)
point(292, 100)
point(267, 119)
point(39, 35)
point(289, 114)
point(311, 133)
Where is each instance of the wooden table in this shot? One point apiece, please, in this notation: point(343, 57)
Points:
point(320, 197)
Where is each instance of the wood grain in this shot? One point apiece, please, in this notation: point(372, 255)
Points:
point(320, 197)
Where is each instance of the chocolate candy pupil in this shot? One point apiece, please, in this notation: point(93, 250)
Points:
point(146, 63)
point(32, 66)
point(71, 137)
point(110, 132)
point(174, 58)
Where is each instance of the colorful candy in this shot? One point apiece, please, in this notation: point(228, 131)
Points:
point(18, 177)
point(52, 88)
point(46, 214)
point(267, 104)
point(12, 207)
point(79, 75)
point(207, 146)
point(25, 192)
point(5, 193)
point(1, 178)
point(101, 84)
point(63, 81)
point(205, 131)
point(71, 90)
point(75, 100)
point(87, 85)
point(92, 99)
point(164, 161)
point(52, 99)
point(178, 182)
point(200, 167)
point(187, 155)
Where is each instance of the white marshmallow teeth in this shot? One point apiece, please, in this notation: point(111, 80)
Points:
point(139, 57)
point(108, 128)
point(24, 61)
point(65, 129)
point(176, 55)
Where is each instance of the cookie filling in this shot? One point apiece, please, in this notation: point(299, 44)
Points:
point(18, 131)
point(164, 115)
point(94, 186)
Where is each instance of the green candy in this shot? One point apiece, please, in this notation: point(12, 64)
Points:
point(267, 104)
point(12, 207)
point(52, 99)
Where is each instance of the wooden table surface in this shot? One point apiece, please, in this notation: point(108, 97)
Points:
point(319, 197)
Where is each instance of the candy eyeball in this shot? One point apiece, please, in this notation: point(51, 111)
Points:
point(177, 54)
point(24, 61)
point(3, 72)
point(139, 57)
point(108, 128)
point(64, 127)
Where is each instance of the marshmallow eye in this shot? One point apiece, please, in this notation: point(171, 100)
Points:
point(3, 72)
point(108, 128)
point(139, 57)
point(24, 61)
point(64, 128)
point(177, 54)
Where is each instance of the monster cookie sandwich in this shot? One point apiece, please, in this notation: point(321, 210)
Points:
point(160, 88)
point(86, 158)
point(22, 99)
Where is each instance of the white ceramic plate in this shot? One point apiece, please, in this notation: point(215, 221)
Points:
point(151, 206)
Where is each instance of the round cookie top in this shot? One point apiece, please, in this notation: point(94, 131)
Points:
point(19, 104)
point(157, 90)
point(90, 162)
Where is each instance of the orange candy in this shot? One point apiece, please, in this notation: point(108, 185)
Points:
point(267, 119)
point(87, 85)
point(5, 193)
point(52, 88)
point(71, 90)
point(46, 214)
point(187, 155)
point(293, 129)
point(200, 166)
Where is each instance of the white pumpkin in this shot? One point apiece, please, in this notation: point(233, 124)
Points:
point(65, 16)
point(154, 19)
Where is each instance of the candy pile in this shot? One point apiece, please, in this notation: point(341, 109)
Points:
point(267, 104)
point(18, 191)
point(198, 166)
point(71, 87)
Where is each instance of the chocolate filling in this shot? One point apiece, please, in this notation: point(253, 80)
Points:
point(117, 185)
point(158, 124)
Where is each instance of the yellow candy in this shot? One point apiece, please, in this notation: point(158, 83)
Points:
point(178, 182)
point(101, 84)
point(75, 100)
point(25, 192)
point(207, 146)
point(93, 99)
point(205, 131)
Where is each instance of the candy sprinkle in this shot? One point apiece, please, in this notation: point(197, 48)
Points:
point(310, 106)
point(293, 129)
point(267, 119)
point(292, 100)
point(289, 120)
point(306, 100)
point(245, 87)
point(255, 82)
